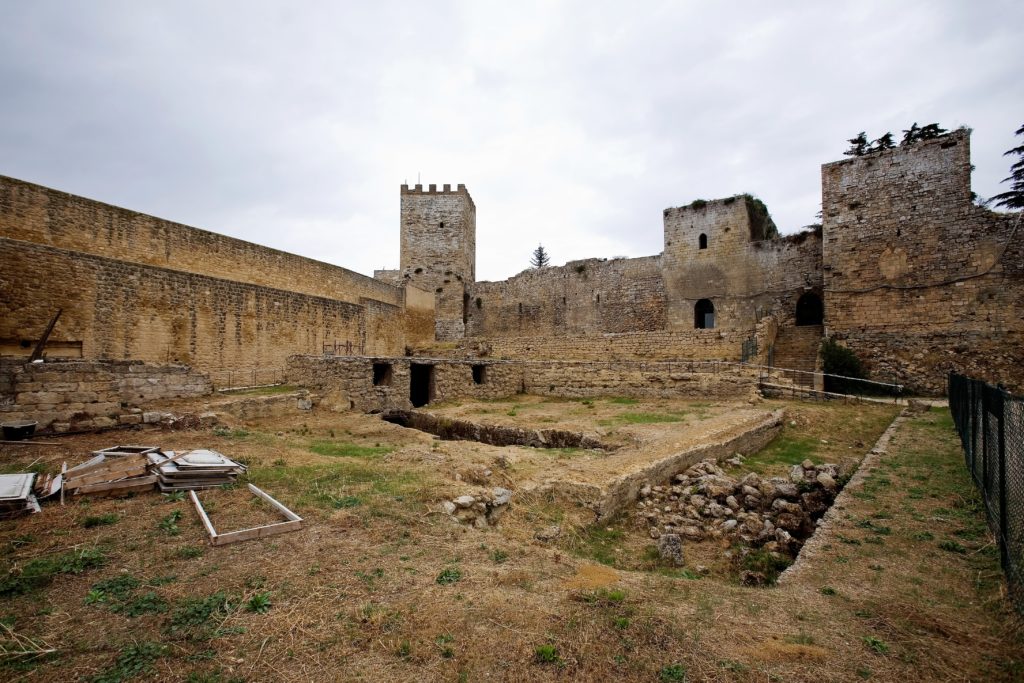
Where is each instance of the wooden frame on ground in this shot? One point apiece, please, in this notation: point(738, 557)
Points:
point(294, 522)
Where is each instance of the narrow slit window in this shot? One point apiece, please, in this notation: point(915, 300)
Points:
point(702, 241)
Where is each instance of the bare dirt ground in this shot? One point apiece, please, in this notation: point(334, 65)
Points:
point(380, 586)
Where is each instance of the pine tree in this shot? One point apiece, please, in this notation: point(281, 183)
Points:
point(858, 145)
point(540, 257)
point(911, 134)
point(1014, 198)
point(932, 130)
point(884, 142)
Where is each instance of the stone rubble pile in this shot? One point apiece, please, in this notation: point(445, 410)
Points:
point(480, 509)
point(704, 502)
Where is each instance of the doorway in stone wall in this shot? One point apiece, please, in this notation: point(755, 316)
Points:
point(809, 309)
point(421, 384)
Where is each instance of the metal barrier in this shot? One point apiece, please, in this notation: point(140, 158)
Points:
point(990, 422)
point(246, 377)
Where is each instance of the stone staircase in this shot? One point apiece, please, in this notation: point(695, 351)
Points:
point(796, 348)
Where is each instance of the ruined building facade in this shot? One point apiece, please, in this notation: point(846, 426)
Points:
point(905, 270)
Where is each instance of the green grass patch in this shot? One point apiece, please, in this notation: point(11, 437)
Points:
point(194, 619)
point(341, 449)
point(766, 563)
point(134, 660)
point(99, 520)
point(599, 544)
point(784, 450)
point(39, 572)
point(623, 401)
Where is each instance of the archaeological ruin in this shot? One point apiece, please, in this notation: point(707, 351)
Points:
point(905, 270)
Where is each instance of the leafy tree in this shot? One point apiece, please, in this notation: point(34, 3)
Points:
point(858, 145)
point(540, 257)
point(1014, 197)
point(884, 142)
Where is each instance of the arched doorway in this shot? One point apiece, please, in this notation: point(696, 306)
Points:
point(809, 309)
point(704, 315)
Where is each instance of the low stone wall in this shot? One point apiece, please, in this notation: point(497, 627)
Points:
point(353, 383)
point(713, 344)
point(85, 395)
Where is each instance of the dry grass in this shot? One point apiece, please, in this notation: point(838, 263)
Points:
point(356, 595)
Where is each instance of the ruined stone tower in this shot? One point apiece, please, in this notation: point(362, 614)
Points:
point(439, 250)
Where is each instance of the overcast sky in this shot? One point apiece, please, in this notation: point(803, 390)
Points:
point(573, 124)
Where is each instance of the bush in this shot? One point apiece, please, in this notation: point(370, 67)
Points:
point(839, 360)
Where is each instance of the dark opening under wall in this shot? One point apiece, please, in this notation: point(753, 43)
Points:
point(494, 435)
point(421, 384)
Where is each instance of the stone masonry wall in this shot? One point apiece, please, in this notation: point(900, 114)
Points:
point(86, 395)
point(119, 310)
point(689, 345)
point(439, 250)
point(349, 381)
point(744, 278)
point(918, 280)
point(580, 298)
point(33, 213)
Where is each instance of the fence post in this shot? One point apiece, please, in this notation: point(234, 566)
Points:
point(1004, 537)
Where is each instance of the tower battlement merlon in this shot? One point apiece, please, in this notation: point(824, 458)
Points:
point(432, 190)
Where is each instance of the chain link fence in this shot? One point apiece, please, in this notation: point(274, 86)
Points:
point(990, 422)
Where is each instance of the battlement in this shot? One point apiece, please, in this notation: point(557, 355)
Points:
point(432, 190)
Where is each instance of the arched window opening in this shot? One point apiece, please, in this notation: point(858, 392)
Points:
point(809, 309)
point(702, 241)
point(704, 315)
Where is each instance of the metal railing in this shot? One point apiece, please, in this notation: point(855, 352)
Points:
point(243, 378)
point(990, 422)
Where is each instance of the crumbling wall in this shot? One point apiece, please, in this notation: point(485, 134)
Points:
point(33, 213)
point(714, 251)
point(919, 280)
point(120, 310)
point(84, 395)
point(580, 298)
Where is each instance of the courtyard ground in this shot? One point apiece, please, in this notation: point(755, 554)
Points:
point(381, 586)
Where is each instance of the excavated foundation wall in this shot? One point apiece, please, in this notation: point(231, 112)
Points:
point(372, 384)
point(86, 395)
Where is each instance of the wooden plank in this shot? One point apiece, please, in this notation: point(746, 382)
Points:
point(85, 480)
point(119, 485)
point(257, 532)
point(280, 508)
point(202, 515)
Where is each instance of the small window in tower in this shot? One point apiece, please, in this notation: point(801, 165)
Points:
point(702, 242)
point(479, 374)
point(382, 374)
point(418, 271)
point(520, 308)
point(441, 225)
point(439, 290)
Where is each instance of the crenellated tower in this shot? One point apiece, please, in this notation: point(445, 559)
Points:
point(439, 250)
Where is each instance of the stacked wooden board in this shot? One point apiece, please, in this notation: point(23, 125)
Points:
point(115, 470)
point(198, 469)
point(16, 496)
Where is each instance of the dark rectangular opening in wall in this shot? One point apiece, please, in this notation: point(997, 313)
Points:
point(382, 374)
point(421, 384)
point(479, 374)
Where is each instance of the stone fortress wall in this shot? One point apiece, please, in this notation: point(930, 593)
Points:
point(133, 286)
point(918, 279)
point(905, 270)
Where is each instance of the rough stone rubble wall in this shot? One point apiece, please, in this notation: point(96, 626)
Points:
point(349, 381)
point(582, 297)
point(120, 310)
point(920, 281)
point(85, 395)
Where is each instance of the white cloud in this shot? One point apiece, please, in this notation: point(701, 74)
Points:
point(572, 123)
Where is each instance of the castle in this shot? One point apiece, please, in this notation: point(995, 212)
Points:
point(904, 269)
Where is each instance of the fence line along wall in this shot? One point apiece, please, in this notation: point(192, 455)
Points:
point(990, 422)
point(85, 395)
